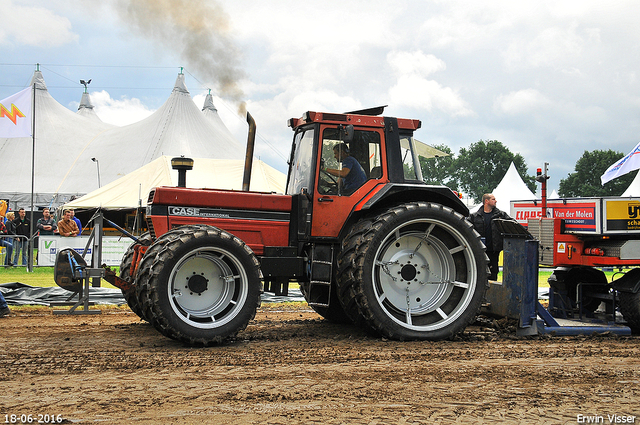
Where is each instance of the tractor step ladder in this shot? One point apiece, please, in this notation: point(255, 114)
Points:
point(321, 274)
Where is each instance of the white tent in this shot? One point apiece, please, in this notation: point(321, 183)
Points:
point(554, 195)
point(132, 190)
point(177, 128)
point(66, 142)
point(211, 113)
point(60, 136)
point(634, 187)
point(511, 188)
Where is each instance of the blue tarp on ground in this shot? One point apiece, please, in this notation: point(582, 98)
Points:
point(17, 293)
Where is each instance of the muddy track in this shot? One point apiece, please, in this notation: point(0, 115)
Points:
point(290, 366)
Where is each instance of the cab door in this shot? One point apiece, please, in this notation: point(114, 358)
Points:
point(332, 204)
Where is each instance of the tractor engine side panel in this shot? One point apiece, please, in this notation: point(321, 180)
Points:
point(258, 219)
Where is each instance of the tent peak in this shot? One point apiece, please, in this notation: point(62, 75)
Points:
point(511, 187)
point(180, 86)
point(208, 104)
point(38, 80)
point(85, 103)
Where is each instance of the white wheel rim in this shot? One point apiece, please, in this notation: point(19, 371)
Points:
point(416, 278)
point(208, 287)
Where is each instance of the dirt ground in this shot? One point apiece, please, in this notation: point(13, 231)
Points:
point(290, 366)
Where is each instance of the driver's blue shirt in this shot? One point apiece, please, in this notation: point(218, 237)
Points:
point(356, 176)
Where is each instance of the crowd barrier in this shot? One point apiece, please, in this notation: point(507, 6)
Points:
point(113, 249)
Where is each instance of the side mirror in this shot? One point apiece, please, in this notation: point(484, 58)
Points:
point(345, 133)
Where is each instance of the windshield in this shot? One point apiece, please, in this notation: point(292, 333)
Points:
point(301, 169)
point(410, 160)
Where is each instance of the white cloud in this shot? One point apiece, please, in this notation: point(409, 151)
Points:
point(415, 63)
point(413, 89)
point(44, 29)
point(118, 112)
point(521, 102)
point(551, 47)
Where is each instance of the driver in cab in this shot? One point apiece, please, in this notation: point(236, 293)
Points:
point(351, 176)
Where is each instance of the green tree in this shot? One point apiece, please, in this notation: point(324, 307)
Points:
point(439, 170)
point(481, 167)
point(585, 181)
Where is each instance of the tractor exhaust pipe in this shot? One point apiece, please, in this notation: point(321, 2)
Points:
point(248, 161)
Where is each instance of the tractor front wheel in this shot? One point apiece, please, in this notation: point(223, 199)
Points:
point(202, 285)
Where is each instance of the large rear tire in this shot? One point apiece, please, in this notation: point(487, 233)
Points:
point(630, 309)
point(200, 285)
point(566, 280)
point(419, 272)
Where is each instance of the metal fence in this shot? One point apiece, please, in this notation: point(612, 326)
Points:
point(8, 253)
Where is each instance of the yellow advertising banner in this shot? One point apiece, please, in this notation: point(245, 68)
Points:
point(622, 214)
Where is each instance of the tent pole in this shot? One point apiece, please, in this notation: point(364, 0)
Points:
point(33, 164)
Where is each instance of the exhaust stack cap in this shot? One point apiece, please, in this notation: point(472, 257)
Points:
point(182, 164)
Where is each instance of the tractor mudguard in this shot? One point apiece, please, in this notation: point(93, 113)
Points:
point(393, 193)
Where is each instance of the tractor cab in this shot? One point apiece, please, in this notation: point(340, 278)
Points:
point(339, 160)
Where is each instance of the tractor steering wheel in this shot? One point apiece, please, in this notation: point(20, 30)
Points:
point(328, 184)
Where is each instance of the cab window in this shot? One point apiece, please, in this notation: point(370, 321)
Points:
point(360, 156)
point(410, 160)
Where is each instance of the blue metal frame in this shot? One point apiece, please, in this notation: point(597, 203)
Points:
point(517, 296)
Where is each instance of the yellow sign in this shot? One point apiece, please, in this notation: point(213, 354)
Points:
point(623, 210)
point(623, 215)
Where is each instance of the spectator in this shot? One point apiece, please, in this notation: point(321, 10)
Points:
point(66, 226)
point(23, 232)
point(74, 218)
point(11, 228)
point(482, 221)
point(7, 243)
point(4, 308)
point(46, 225)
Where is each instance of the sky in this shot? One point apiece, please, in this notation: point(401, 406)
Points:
point(548, 79)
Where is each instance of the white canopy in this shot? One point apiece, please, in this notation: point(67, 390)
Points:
point(60, 136)
point(511, 188)
point(177, 128)
point(634, 188)
point(86, 108)
point(66, 142)
point(132, 190)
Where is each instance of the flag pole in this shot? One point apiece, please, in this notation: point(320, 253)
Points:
point(33, 163)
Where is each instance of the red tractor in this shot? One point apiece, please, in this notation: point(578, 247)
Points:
point(388, 252)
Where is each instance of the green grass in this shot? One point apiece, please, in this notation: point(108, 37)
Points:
point(41, 277)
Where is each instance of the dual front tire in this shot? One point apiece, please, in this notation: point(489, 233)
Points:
point(199, 285)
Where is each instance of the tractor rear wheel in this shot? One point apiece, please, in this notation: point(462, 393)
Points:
point(125, 274)
point(595, 282)
point(630, 309)
point(419, 272)
point(200, 285)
